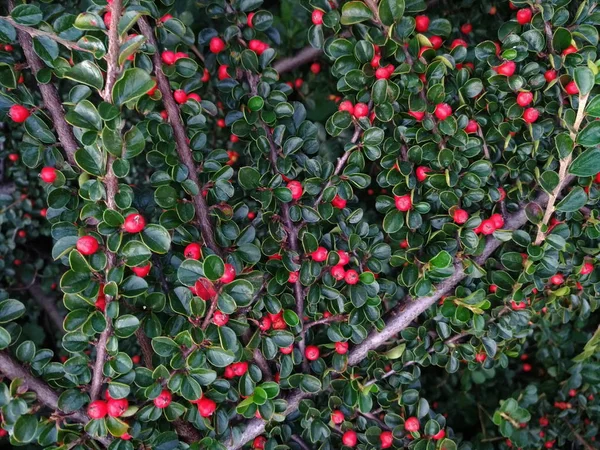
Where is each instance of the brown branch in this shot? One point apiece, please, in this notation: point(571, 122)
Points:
point(45, 394)
point(336, 318)
point(146, 346)
point(263, 364)
point(50, 97)
point(210, 313)
point(298, 440)
point(183, 149)
point(48, 305)
point(372, 4)
point(579, 437)
point(304, 56)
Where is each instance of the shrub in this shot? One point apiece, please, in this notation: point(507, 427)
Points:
point(386, 239)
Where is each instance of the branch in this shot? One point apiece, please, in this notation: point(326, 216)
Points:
point(263, 364)
point(48, 304)
point(50, 96)
point(146, 347)
point(579, 437)
point(304, 56)
point(45, 394)
point(183, 149)
point(336, 318)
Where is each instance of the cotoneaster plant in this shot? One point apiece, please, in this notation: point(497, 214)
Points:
point(361, 224)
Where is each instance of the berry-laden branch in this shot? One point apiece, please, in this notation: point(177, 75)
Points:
point(50, 96)
point(304, 56)
point(401, 317)
point(45, 394)
point(183, 149)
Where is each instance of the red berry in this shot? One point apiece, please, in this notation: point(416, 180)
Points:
point(403, 202)
point(257, 46)
point(312, 352)
point(570, 49)
point(387, 439)
point(436, 41)
point(337, 417)
point(472, 126)
point(319, 255)
point(412, 424)
point(48, 174)
point(550, 75)
point(351, 276)
point(249, 23)
point(293, 277)
point(460, 216)
point(586, 268)
point(349, 438)
point(571, 88)
point(346, 105)
point(544, 421)
point(383, 73)
point(361, 110)
point(87, 245)
point(165, 18)
point(228, 274)
point(180, 96)
point(508, 68)
point(524, 98)
point(317, 17)
point(422, 23)
point(518, 306)
point(480, 357)
point(193, 251)
point(296, 188)
point(152, 90)
point(524, 16)
point(206, 407)
point(168, 57)
point(315, 68)
point(220, 318)
point(142, 271)
point(18, 113)
point(443, 111)
point(222, 72)
point(466, 28)
point(375, 61)
point(338, 202)
point(14, 157)
point(530, 115)
point(418, 115)
point(557, 279)
point(498, 220)
point(44, 212)
point(134, 223)
point(205, 76)
point(344, 257)
point(163, 400)
point(216, 45)
point(117, 407)
point(287, 350)
point(341, 348)
point(487, 227)
point(338, 272)
point(264, 324)
point(107, 19)
point(97, 409)
point(439, 435)
point(459, 43)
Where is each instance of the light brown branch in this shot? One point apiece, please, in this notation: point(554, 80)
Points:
point(183, 149)
point(324, 320)
point(304, 56)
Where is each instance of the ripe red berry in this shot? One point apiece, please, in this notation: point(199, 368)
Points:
point(387, 439)
point(315, 68)
point(338, 202)
point(472, 126)
point(48, 174)
point(530, 115)
point(349, 438)
point(361, 110)
point(524, 98)
point(249, 19)
point(418, 115)
point(312, 352)
point(466, 28)
point(14, 157)
point(206, 407)
point(193, 251)
point(403, 202)
point(317, 17)
point(497, 220)
point(205, 76)
point(337, 417)
point(383, 73)
point(287, 350)
point(134, 223)
point(165, 18)
point(107, 19)
point(557, 279)
point(493, 288)
point(439, 435)
point(550, 75)
point(228, 274)
point(375, 61)
point(338, 272)
point(257, 46)
point(524, 16)
point(296, 188)
point(264, 324)
point(458, 43)
point(341, 348)
point(436, 41)
point(180, 96)
point(216, 45)
point(570, 49)
point(222, 73)
point(586, 268)
point(571, 88)
point(480, 357)
point(168, 57)
point(346, 105)
point(544, 421)
point(508, 68)
point(142, 271)
point(412, 424)
point(422, 23)
point(319, 255)
point(293, 277)
point(163, 400)
point(460, 216)
point(97, 409)
point(18, 113)
point(117, 407)
point(344, 257)
point(220, 318)
point(351, 276)
point(487, 227)
point(443, 111)
point(87, 245)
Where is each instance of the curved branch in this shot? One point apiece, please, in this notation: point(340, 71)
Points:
point(48, 305)
point(183, 150)
point(304, 56)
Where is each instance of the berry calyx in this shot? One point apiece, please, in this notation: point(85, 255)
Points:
point(312, 352)
point(163, 400)
point(134, 223)
point(403, 202)
point(193, 251)
point(87, 245)
point(524, 98)
point(18, 113)
point(319, 255)
point(443, 111)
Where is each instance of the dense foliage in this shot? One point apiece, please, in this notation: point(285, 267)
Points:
point(299, 224)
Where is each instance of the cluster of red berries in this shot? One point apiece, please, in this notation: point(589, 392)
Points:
point(488, 226)
point(338, 272)
point(359, 110)
point(181, 96)
point(169, 57)
point(274, 321)
point(113, 407)
point(235, 370)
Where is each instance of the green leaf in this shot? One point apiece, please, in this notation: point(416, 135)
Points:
point(355, 12)
point(213, 267)
point(29, 15)
point(11, 310)
point(391, 11)
point(132, 85)
point(25, 428)
point(157, 238)
point(590, 135)
point(249, 178)
point(88, 73)
point(584, 79)
point(8, 33)
point(587, 164)
point(126, 325)
point(573, 201)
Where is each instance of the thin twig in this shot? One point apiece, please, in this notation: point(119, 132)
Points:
point(146, 346)
point(263, 364)
point(304, 56)
point(48, 304)
point(298, 440)
point(324, 320)
point(183, 150)
point(579, 437)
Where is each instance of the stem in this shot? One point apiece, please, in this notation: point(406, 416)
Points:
point(263, 364)
point(336, 318)
point(183, 149)
point(48, 305)
point(562, 171)
point(580, 438)
point(50, 97)
point(304, 56)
